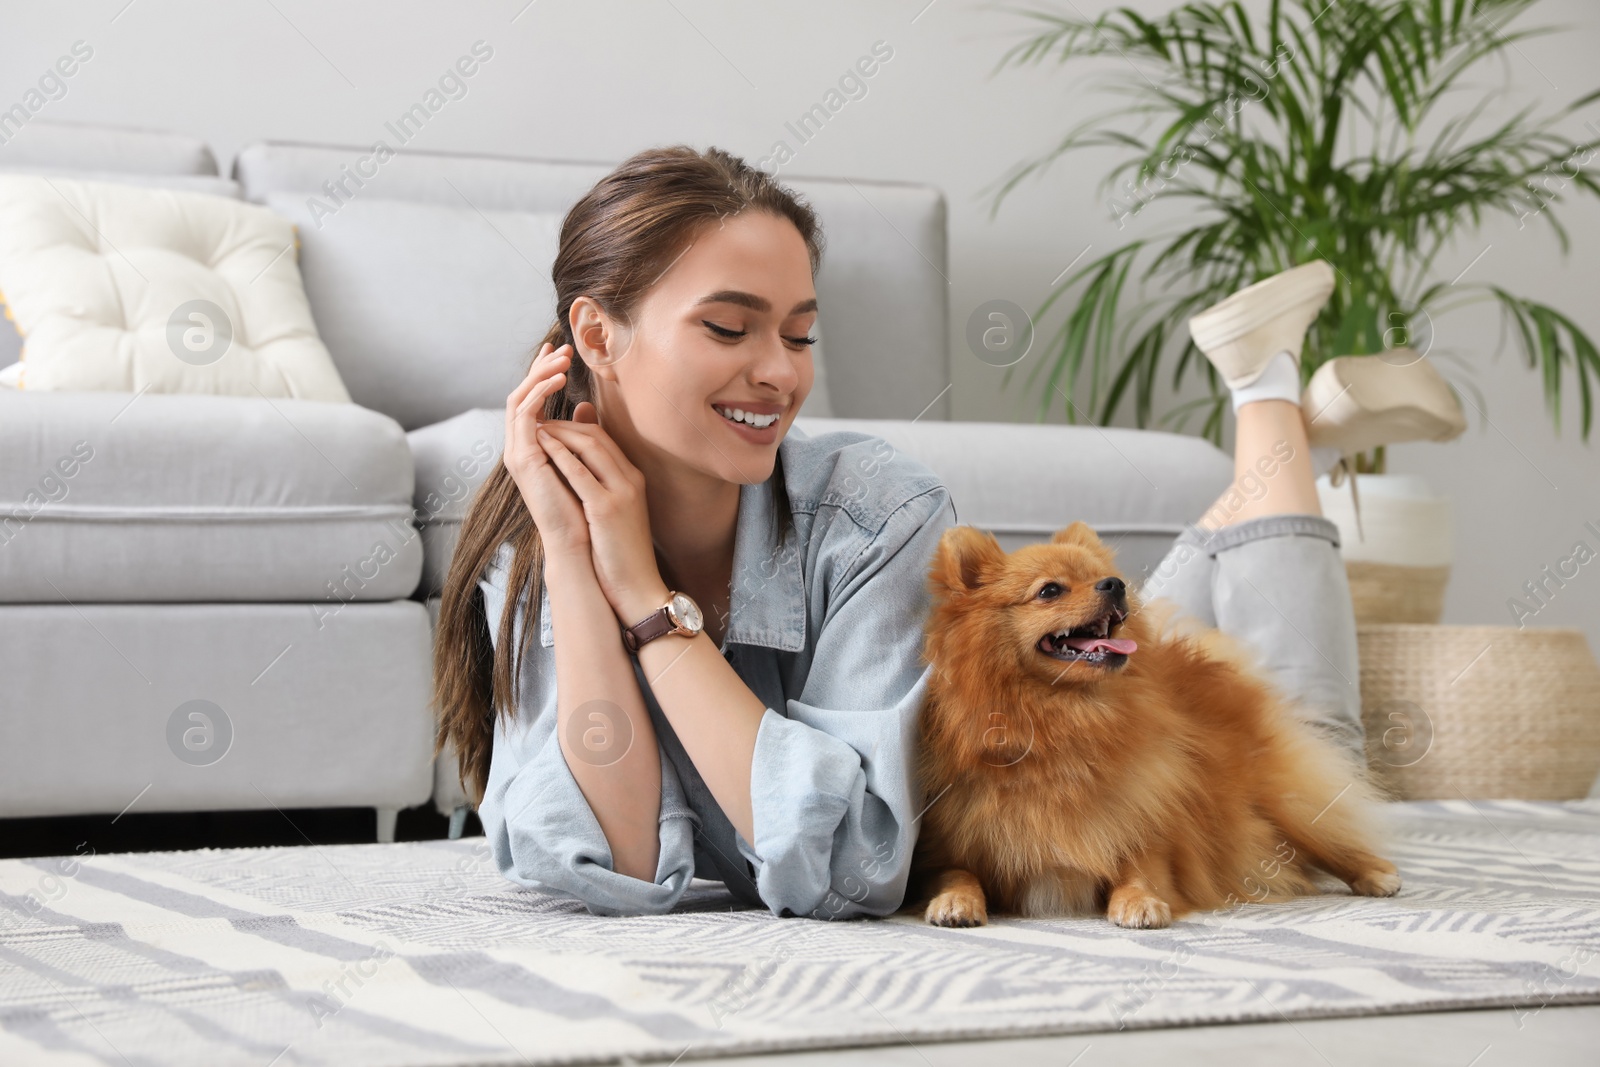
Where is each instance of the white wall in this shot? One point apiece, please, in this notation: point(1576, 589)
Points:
point(599, 80)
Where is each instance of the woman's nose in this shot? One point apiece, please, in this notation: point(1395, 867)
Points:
point(775, 367)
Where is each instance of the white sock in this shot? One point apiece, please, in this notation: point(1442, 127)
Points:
point(1279, 381)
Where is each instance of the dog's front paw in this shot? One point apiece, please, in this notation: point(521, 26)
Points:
point(1377, 883)
point(957, 907)
point(1140, 910)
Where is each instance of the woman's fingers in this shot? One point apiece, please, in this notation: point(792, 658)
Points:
point(545, 376)
point(549, 362)
point(548, 365)
point(579, 476)
point(590, 443)
point(524, 421)
point(535, 397)
point(552, 484)
point(514, 399)
point(528, 379)
point(620, 465)
point(533, 376)
point(533, 404)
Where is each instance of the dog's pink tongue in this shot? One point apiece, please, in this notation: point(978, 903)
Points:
point(1121, 645)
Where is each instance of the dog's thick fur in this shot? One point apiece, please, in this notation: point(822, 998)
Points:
point(1141, 786)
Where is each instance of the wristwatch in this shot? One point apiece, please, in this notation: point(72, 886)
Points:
point(679, 615)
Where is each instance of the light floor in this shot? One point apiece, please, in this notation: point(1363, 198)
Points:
point(1552, 1037)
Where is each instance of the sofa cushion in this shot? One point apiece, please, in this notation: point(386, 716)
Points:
point(452, 459)
point(429, 310)
point(84, 146)
point(147, 497)
point(10, 339)
point(123, 288)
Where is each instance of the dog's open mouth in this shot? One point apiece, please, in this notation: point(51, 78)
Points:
point(1091, 642)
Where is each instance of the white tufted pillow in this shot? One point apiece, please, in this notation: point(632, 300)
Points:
point(120, 288)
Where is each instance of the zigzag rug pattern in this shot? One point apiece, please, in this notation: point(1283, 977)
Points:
point(421, 953)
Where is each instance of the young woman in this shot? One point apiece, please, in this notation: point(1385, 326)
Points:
point(775, 584)
point(722, 674)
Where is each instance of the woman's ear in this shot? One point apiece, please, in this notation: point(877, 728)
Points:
point(964, 553)
point(600, 340)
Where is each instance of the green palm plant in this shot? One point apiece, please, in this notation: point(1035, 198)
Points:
point(1317, 131)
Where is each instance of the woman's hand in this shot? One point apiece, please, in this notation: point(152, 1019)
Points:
point(612, 490)
point(556, 510)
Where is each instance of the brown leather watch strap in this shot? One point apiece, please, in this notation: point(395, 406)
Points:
point(656, 624)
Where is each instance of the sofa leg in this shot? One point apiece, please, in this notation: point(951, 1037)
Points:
point(458, 821)
point(387, 817)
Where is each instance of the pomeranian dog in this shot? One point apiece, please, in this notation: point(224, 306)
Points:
point(1082, 756)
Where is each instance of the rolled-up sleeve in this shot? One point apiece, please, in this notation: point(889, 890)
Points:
point(538, 823)
point(831, 784)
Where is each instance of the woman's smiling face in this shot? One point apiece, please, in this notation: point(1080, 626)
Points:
point(724, 329)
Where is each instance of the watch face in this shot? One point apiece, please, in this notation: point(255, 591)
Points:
point(686, 612)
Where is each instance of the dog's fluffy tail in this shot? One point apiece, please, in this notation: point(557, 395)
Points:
point(1327, 802)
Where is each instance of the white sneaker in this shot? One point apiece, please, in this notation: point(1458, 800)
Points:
point(1242, 333)
point(1356, 403)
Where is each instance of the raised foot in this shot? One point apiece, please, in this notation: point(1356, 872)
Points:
point(1137, 909)
point(957, 907)
point(1377, 883)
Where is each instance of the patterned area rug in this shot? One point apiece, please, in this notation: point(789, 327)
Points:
point(422, 954)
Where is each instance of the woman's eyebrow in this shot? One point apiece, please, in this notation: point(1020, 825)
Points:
point(752, 301)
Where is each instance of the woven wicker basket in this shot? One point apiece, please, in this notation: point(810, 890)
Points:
point(1390, 592)
point(1480, 711)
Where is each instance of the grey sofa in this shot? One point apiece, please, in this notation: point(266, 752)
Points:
point(272, 566)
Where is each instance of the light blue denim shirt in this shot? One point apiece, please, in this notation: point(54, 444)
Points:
point(828, 633)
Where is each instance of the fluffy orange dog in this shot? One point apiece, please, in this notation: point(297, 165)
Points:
point(1078, 761)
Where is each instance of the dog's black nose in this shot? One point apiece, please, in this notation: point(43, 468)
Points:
point(1114, 586)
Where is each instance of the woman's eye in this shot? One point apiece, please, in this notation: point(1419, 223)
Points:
point(1050, 591)
point(723, 331)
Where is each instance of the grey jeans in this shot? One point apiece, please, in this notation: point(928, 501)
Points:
point(1278, 585)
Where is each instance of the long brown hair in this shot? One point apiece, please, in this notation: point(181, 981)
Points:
point(615, 241)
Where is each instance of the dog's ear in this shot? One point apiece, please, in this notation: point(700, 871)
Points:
point(1079, 533)
point(1082, 535)
point(963, 554)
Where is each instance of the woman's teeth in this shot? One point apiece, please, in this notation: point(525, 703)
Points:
point(749, 418)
